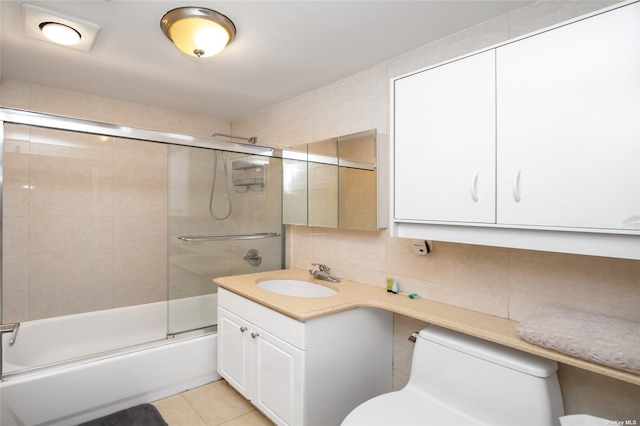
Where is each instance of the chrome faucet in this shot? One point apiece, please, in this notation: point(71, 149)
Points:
point(323, 273)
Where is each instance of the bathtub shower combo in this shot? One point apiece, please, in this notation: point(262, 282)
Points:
point(111, 239)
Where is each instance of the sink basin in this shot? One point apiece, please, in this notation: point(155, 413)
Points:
point(296, 288)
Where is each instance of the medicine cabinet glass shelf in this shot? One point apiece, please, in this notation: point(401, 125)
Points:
point(337, 182)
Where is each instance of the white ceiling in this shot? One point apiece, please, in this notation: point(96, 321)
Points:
point(282, 48)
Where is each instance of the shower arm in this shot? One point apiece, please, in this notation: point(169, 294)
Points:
point(252, 140)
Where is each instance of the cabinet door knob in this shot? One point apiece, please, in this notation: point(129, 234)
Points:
point(254, 335)
point(515, 186)
point(243, 329)
point(474, 187)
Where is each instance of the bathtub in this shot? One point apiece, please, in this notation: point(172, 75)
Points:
point(52, 376)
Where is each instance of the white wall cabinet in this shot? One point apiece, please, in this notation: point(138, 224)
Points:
point(303, 373)
point(445, 142)
point(568, 125)
point(564, 143)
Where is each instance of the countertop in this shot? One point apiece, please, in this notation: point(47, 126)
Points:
point(353, 295)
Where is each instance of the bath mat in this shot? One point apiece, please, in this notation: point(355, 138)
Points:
point(140, 415)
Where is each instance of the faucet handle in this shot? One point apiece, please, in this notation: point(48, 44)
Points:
point(321, 267)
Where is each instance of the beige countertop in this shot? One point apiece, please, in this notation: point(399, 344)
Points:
point(352, 295)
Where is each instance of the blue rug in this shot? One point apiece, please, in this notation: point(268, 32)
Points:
point(140, 415)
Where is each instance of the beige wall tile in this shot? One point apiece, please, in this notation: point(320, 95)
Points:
point(76, 268)
point(354, 255)
point(299, 106)
point(140, 276)
point(253, 125)
point(15, 306)
point(15, 272)
point(71, 104)
point(594, 284)
point(542, 14)
point(69, 188)
point(360, 85)
point(202, 127)
point(73, 178)
point(300, 246)
point(15, 235)
point(466, 41)
point(146, 117)
point(294, 131)
point(15, 94)
point(16, 182)
point(358, 114)
point(56, 233)
point(403, 327)
point(139, 193)
point(584, 392)
point(52, 302)
point(139, 231)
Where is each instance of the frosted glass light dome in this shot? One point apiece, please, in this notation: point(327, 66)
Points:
point(198, 31)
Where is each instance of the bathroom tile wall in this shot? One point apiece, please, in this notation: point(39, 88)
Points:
point(85, 217)
point(504, 282)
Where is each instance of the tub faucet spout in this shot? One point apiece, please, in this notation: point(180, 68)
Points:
point(323, 273)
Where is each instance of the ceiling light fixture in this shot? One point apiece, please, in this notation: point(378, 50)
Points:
point(198, 31)
point(47, 25)
point(60, 33)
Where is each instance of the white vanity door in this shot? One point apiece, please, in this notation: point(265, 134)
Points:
point(278, 379)
point(568, 143)
point(234, 351)
point(444, 142)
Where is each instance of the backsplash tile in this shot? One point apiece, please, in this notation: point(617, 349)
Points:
point(594, 284)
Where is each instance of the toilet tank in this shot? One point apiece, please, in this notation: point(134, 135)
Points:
point(489, 382)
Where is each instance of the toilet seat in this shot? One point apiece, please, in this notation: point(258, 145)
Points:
point(407, 407)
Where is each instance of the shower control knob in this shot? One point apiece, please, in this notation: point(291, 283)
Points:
point(254, 335)
point(243, 329)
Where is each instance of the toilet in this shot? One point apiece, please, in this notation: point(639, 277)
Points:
point(458, 380)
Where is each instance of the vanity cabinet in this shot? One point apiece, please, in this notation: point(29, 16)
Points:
point(303, 373)
point(263, 368)
point(531, 144)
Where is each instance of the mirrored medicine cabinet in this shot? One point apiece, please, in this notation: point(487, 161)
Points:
point(339, 182)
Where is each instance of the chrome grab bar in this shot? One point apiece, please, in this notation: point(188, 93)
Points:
point(10, 328)
point(227, 237)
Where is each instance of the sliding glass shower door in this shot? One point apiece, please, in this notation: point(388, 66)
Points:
point(127, 227)
point(224, 219)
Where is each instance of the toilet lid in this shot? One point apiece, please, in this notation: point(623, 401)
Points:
point(405, 408)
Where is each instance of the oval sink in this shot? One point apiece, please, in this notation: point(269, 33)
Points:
point(296, 288)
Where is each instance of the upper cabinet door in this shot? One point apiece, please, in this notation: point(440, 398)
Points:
point(568, 103)
point(444, 125)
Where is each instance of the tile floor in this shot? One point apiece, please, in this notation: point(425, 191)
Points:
point(213, 404)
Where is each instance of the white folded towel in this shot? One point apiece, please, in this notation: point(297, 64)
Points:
point(605, 340)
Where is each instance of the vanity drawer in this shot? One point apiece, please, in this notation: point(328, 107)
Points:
point(282, 326)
